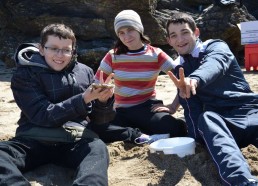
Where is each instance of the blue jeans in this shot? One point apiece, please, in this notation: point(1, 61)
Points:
point(89, 157)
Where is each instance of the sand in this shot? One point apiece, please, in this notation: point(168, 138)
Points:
point(130, 165)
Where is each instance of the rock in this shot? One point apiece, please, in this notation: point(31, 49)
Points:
point(221, 22)
point(92, 22)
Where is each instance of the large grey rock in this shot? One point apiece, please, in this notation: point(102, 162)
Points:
point(92, 21)
point(221, 22)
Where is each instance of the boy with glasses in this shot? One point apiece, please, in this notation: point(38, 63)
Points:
point(54, 94)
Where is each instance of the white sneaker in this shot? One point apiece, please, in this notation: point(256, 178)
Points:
point(144, 138)
point(156, 137)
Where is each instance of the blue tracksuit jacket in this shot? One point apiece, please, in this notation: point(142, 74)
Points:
point(221, 83)
point(224, 111)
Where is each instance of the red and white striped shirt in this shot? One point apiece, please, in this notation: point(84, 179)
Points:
point(135, 74)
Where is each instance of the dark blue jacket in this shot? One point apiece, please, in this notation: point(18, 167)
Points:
point(221, 83)
point(46, 97)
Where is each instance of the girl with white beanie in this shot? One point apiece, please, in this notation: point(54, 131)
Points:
point(136, 66)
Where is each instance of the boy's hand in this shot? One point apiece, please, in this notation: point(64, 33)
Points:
point(102, 95)
point(185, 85)
point(102, 91)
point(104, 85)
point(108, 78)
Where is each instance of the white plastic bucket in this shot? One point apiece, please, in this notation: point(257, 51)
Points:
point(181, 146)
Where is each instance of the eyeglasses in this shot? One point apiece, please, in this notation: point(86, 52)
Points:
point(53, 50)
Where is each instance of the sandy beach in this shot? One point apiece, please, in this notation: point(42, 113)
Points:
point(130, 165)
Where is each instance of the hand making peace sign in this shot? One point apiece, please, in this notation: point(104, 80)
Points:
point(185, 85)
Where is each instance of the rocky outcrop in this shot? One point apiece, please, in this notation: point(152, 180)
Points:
point(92, 21)
point(215, 23)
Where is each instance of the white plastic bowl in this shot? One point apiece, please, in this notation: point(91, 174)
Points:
point(181, 146)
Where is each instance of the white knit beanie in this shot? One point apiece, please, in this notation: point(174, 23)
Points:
point(128, 18)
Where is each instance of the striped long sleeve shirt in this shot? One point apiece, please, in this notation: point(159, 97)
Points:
point(135, 74)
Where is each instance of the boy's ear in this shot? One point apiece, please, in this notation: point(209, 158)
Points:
point(74, 56)
point(197, 32)
point(167, 39)
point(41, 50)
point(75, 50)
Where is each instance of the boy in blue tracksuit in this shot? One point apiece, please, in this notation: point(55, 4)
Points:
point(219, 107)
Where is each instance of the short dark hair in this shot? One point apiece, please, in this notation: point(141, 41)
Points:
point(59, 30)
point(180, 17)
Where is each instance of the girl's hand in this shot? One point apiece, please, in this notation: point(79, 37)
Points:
point(161, 108)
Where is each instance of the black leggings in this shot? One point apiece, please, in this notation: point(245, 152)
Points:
point(141, 116)
point(110, 133)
